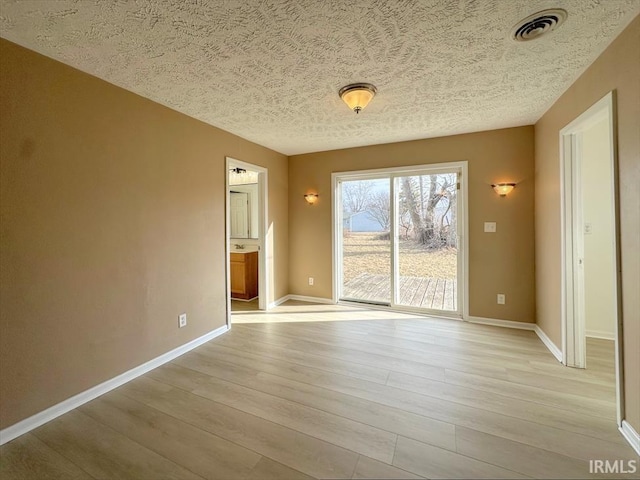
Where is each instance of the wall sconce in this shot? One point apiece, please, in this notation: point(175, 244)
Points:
point(503, 189)
point(311, 198)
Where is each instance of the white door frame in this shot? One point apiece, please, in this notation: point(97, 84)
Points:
point(572, 253)
point(392, 173)
point(263, 244)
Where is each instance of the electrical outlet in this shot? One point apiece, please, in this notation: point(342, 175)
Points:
point(502, 299)
point(311, 281)
point(182, 320)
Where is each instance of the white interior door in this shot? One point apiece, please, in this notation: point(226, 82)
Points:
point(239, 216)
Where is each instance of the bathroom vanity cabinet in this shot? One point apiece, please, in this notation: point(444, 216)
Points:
point(244, 275)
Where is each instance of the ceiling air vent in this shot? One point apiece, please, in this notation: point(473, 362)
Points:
point(536, 25)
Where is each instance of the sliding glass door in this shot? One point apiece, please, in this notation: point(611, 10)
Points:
point(398, 238)
point(366, 240)
point(427, 239)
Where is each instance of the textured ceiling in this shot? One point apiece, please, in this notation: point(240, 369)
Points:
point(270, 71)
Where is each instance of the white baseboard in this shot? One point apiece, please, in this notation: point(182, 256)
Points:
point(243, 300)
point(630, 434)
point(277, 302)
point(600, 334)
point(555, 351)
point(501, 323)
point(28, 424)
point(303, 298)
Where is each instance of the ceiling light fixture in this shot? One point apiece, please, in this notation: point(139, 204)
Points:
point(503, 189)
point(357, 95)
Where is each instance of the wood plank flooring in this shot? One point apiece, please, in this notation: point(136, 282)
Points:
point(323, 391)
point(423, 292)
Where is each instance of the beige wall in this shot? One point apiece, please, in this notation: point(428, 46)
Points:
point(112, 223)
point(599, 258)
point(498, 263)
point(618, 68)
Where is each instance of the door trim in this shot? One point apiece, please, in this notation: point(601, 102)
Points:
point(573, 325)
point(264, 244)
point(463, 237)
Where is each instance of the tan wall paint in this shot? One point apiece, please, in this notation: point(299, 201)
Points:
point(498, 263)
point(112, 223)
point(618, 68)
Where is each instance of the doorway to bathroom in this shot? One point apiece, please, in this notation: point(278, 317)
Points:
point(246, 239)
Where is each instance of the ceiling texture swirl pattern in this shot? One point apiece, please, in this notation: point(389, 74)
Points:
point(270, 70)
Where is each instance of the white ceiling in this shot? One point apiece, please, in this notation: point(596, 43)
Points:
point(270, 71)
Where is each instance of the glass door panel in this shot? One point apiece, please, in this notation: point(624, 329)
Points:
point(366, 241)
point(427, 238)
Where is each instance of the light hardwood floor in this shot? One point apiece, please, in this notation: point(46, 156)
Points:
point(319, 391)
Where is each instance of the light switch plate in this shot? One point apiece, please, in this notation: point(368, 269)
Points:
point(490, 227)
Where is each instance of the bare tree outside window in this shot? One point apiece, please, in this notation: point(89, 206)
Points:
point(356, 196)
point(430, 203)
point(379, 209)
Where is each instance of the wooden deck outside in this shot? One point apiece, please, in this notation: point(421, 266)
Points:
point(423, 292)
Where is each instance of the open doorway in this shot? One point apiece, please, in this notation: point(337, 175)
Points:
point(591, 266)
point(246, 207)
